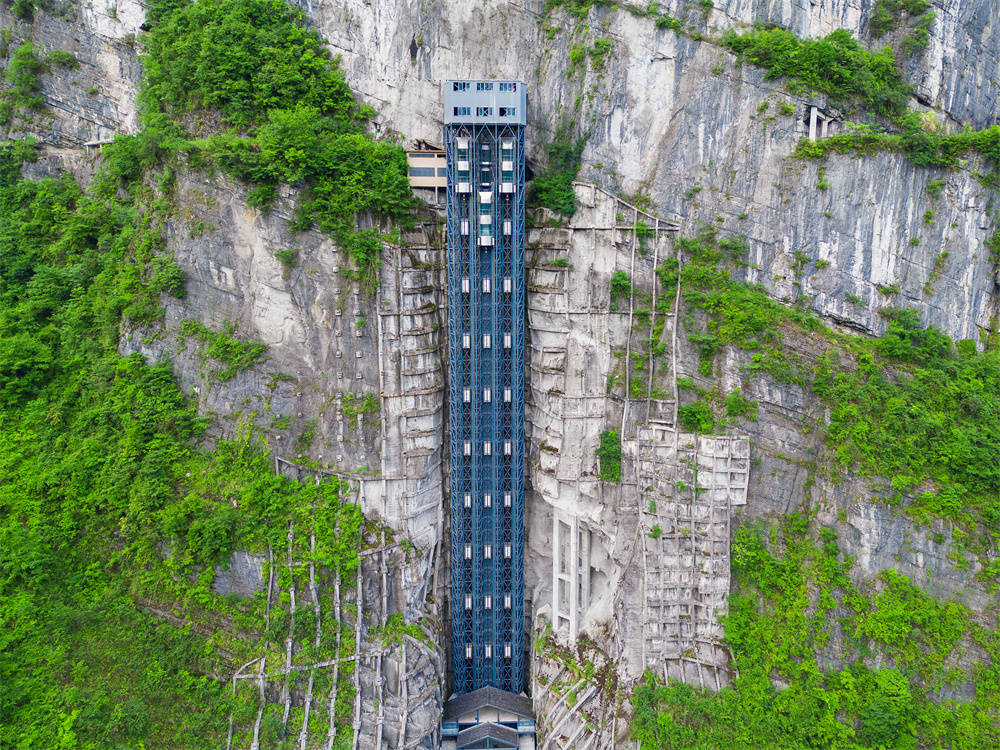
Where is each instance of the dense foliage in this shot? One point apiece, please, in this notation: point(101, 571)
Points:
point(108, 507)
point(888, 15)
point(836, 65)
point(292, 117)
point(911, 408)
point(921, 144)
point(896, 648)
point(99, 475)
point(610, 454)
point(552, 187)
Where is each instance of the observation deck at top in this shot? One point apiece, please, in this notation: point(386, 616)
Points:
point(485, 103)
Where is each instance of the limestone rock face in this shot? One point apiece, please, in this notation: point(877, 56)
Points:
point(668, 117)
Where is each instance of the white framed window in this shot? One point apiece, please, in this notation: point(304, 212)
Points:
point(506, 551)
point(508, 228)
point(506, 500)
point(485, 219)
point(507, 340)
point(487, 395)
point(487, 500)
point(465, 285)
point(488, 602)
point(468, 602)
point(467, 395)
point(466, 341)
point(506, 651)
point(467, 448)
point(488, 651)
point(486, 285)
point(488, 552)
point(486, 341)
point(487, 448)
point(465, 226)
point(468, 551)
point(467, 500)
point(506, 395)
point(506, 601)
point(508, 285)
point(507, 447)
point(468, 650)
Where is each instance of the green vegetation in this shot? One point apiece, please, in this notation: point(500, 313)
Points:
point(221, 346)
point(610, 454)
point(783, 615)
point(552, 187)
point(621, 287)
point(922, 146)
point(106, 501)
point(579, 8)
point(836, 65)
point(887, 14)
point(366, 404)
point(293, 119)
point(63, 59)
point(22, 74)
point(697, 417)
point(24, 10)
point(840, 67)
point(113, 515)
point(288, 258)
point(911, 408)
point(738, 405)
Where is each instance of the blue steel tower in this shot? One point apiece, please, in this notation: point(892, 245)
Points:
point(484, 142)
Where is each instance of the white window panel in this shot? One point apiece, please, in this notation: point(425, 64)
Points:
point(468, 602)
point(507, 340)
point(508, 285)
point(487, 448)
point(467, 395)
point(506, 551)
point(468, 551)
point(506, 601)
point(487, 395)
point(506, 395)
point(487, 500)
point(467, 448)
point(466, 340)
point(468, 650)
point(488, 602)
point(506, 499)
point(486, 286)
point(467, 500)
point(488, 552)
point(486, 341)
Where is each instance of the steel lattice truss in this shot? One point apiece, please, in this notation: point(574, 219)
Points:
point(486, 391)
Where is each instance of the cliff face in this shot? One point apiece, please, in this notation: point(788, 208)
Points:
point(668, 117)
